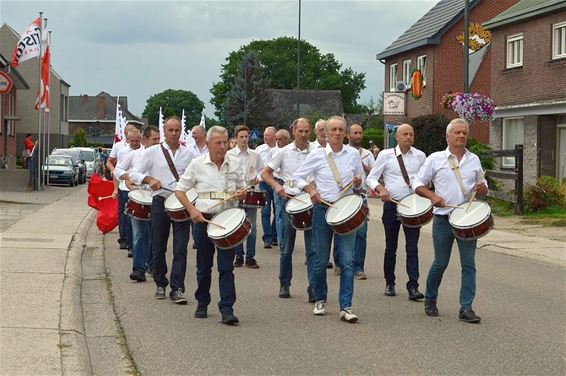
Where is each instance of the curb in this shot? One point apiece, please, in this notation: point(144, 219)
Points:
point(75, 357)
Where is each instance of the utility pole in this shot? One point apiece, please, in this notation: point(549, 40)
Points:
point(299, 65)
point(466, 46)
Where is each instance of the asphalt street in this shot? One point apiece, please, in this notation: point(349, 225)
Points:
point(521, 302)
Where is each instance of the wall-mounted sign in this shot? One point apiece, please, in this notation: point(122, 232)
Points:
point(5, 83)
point(393, 103)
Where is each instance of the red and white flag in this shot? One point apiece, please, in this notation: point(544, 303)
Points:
point(118, 130)
point(42, 99)
point(29, 45)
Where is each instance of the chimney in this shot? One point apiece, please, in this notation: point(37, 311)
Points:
point(100, 107)
point(84, 99)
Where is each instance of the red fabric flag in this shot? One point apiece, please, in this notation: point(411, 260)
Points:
point(98, 187)
point(29, 45)
point(107, 217)
point(42, 99)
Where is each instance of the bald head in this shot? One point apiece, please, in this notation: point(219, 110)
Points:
point(405, 137)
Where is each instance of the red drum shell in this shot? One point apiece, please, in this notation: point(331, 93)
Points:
point(137, 209)
point(235, 238)
point(417, 221)
point(302, 221)
point(254, 199)
point(352, 223)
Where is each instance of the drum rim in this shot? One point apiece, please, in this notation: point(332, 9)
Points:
point(231, 232)
point(430, 207)
point(131, 196)
point(460, 227)
point(361, 202)
point(303, 209)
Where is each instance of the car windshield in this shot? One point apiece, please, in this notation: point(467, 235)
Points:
point(54, 160)
point(88, 155)
point(70, 153)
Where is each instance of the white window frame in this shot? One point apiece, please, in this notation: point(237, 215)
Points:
point(514, 56)
point(421, 65)
point(509, 162)
point(559, 40)
point(407, 72)
point(393, 69)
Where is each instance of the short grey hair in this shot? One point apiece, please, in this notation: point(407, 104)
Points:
point(284, 133)
point(270, 128)
point(335, 117)
point(453, 122)
point(215, 129)
point(320, 121)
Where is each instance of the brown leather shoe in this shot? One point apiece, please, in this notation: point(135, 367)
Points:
point(239, 262)
point(252, 264)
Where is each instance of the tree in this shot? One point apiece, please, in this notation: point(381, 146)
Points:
point(247, 102)
point(80, 138)
point(279, 63)
point(172, 103)
point(430, 132)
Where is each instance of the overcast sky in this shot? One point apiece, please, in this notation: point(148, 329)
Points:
point(139, 48)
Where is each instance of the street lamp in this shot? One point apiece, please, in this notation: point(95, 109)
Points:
point(299, 65)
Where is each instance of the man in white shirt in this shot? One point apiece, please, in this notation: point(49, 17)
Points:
point(110, 165)
point(457, 174)
point(141, 229)
point(355, 137)
point(251, 165)
point(287, 160)
point(200, 147)
point(319, 129)
point(133, 142)
point(154, 170)
point(267, 224)
point(282, 138)
point(326, 187)
point(213, 176)
point(395, 187)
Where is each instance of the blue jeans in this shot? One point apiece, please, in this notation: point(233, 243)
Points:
point(279, 209)
point(251, 213)
point(323, 235)
point(142, 248)
point(161, 225)
point(392, 225)
point(360, 248)
point(287, 248)
point(124, 222)
point(225, 260)
point(269, 229)
point(443, 239)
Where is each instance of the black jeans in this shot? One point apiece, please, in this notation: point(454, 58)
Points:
point(392, 226)
point(225, 260)
point(161, 226)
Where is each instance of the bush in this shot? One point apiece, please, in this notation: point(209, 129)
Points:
point(545, 193)
point(430, 132)
point(487, 161)
point(375, 135)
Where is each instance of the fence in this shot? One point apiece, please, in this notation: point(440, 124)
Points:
point(516, 175)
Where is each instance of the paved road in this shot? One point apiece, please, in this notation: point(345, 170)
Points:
point(521, 302)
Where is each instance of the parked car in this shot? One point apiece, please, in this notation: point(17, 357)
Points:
point(88, 154)
point(61, 170)
point(77, 161)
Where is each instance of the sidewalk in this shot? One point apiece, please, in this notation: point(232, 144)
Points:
point(534, 248)
point(40, 263)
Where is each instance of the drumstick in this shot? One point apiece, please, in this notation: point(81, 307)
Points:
point(347, 187)
point(222, 201)
point(105, 197)
point(453, 206)
point(214, 224)
point(367, 155)
point(398, 203)
point(474, 194)
point(327, 203)
point(294, 198)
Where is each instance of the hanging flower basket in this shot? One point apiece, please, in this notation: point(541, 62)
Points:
point(470, 106)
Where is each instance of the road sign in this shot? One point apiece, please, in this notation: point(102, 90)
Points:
point(254, 135)
point(5, 83)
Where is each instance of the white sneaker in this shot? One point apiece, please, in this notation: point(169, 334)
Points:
point(348, 315)
point(320, 308)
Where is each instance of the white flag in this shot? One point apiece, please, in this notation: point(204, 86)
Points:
point(118, 131)
point(161, 130)
point(29, 45)
point(202, 121)
point(186, 137)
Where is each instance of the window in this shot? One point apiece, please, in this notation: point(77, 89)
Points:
point(392, 76)
point(515, 51)
point(513, 134)
point(559, 41)
point(407, 72)
point(421, 65)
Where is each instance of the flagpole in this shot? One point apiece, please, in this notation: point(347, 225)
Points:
point(46, 90)
point(39, 129)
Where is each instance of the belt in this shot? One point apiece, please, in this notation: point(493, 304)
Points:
point(215, 195)
point(290, 183)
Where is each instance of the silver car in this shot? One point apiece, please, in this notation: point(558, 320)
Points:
point(60, 170)
point(89, 156)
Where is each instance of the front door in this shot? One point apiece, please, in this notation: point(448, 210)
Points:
point(561, 160)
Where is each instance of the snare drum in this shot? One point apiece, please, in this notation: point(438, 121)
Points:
point(235, 228)
point(473, 223)
point(414, 211)
point(300, 211)
point(176, 210)
point(348, 214)
point(139, 204)
point(253, 199)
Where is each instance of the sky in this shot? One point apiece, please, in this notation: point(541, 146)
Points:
point(140, 48)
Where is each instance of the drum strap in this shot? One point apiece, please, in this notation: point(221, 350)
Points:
point(456, 170)
point(403, 169)
point(170, 163)
point(334, 170)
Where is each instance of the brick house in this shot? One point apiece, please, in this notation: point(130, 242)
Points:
point(97, 116)
point(528, 75)
point(431, 45)
point(8, 117)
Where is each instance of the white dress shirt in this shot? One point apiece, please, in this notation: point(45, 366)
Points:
point(437, 169)
point(388, 166)
point(154, 164)
point(348, 163)
point(250, 162)
point(287, 160)
point(116, 148)
point(124, 164)
point(204, 176)
point(198, 152)
point(265, 151)
point(317, 144)
point(367, 158)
